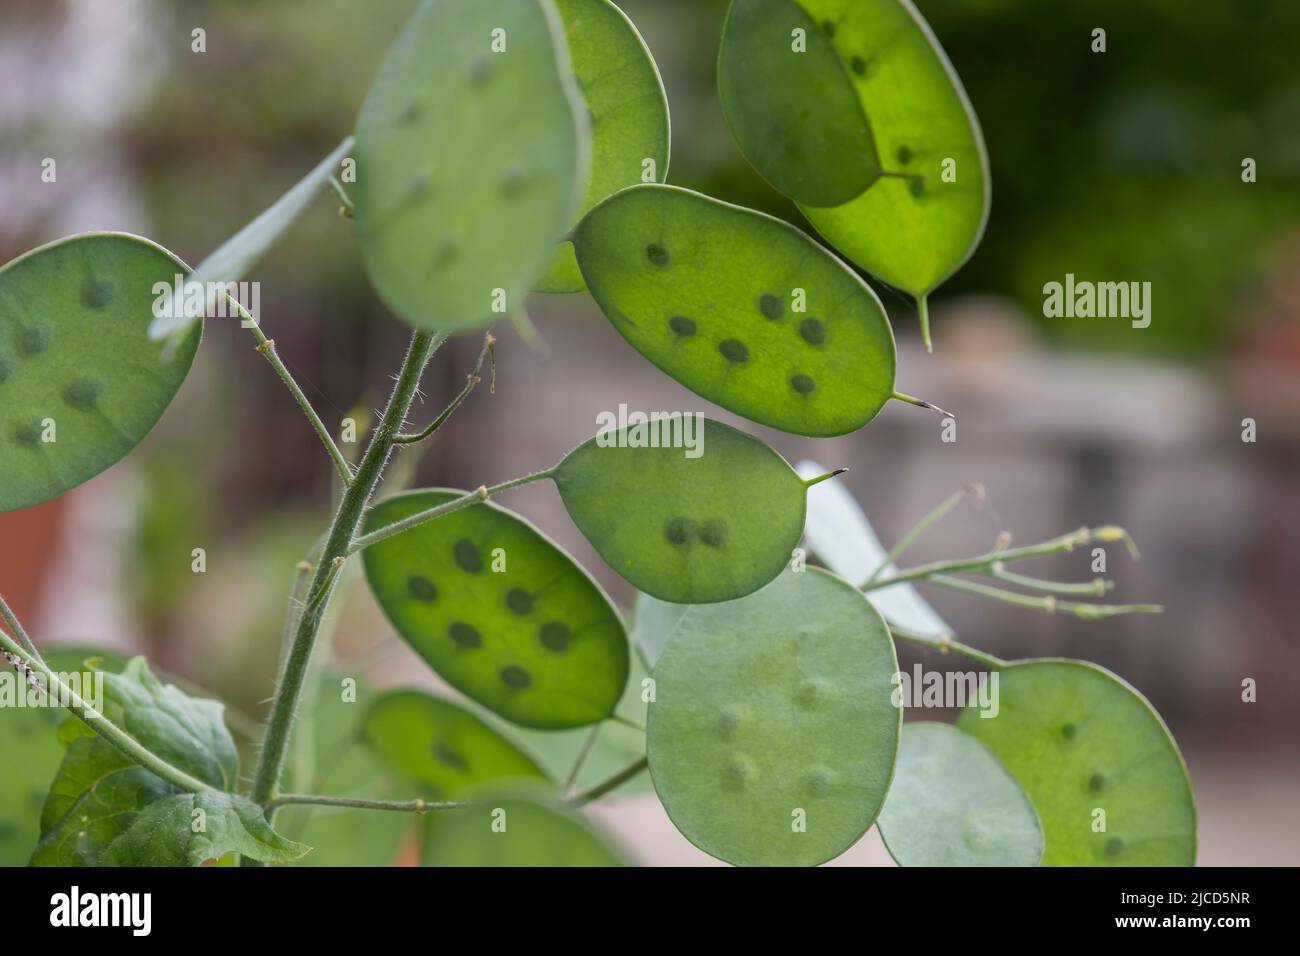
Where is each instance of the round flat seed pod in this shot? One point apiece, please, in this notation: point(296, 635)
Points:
point(1096, 760)
point(500, 611)
point(741, 308)
point(514, 830)
point(626, 107)
point(772, 737)
point(917, 226)
point(791, 104)
point(953, 804)
point(81, 384)
point(686, 530)
point(440, 746)
point(472, 159)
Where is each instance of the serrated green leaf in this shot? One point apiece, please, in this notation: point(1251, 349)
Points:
point(517, 829)
point(708, 292)
point(627, 109)
point(81, 384)
point(441, 747)
point(104, 809)
point(839, 533)
point(1080, 740)
point(912, 233)
point(772, 738)
point(791, 104)
point(500, 611)
point(163, 834)
point(470, 163)
point(953, 804)
point(686, 530)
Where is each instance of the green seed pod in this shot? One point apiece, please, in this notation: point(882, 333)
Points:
point(441, 747)
point(741, 308)
point(500, 611)
point(953, 804)
point(923, 213)
point(773, 736)
point(686, 530)
point(517, 828)
point(472, 158)
point(81, 384)
point(1080, 740)
point(627, 109)
point(791, 105)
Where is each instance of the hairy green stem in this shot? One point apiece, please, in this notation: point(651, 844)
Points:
point(347, 519)
point(471, 383)
point(401, 806)
point(613, 783)
point(127, 745)
point(480, 494)
point(19, 631)
point(267, 348)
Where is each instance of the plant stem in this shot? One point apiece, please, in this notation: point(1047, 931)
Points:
point(984, 562)
point(477, 496)
point(349, 208)
point(922, 526)
point(1097, 587)
point(473, 379)
point(267, 348)
point(1048, 603)
point(945, 644)
point(401, 806)
point(127, 745)
point(613, 783)
point(923, 313)
point(19, 631)
point(350, 512)
point(921, 403)
point(582, 758)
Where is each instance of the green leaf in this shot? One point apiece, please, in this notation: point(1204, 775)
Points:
point(103, 809)
point(773, 736)
point(337, 762)
point(517, 829)
point(163, 834)
point(708, 292)
point(441, 747)
point(686, 530)
point(627, 108)
point(839, 533)
point(470, 163)
point(32, 750)
point(500, 611)
point(81, 384)
point(953, 804)
point(791, 104)
point(912, 233)
point(1080, 740)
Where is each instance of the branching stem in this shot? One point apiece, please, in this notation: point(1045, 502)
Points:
point(613, 783)
point(471, 383)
